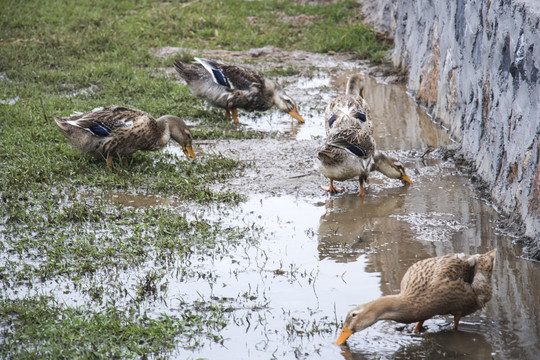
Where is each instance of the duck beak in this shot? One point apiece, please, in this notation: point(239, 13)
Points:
point(406, 179)
point(188, 150)
point(344, 335)
point(294, 113)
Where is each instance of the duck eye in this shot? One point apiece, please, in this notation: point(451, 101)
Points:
point(290, 104)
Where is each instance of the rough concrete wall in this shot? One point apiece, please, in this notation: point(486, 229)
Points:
point(475, 65)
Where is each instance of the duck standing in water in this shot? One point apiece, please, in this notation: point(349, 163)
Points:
point(118, 130)
point(349, 150)
point(455, 284)
point(233, 87)
point(350, 153)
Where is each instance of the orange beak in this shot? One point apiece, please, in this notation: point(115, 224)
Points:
point(294, 113)
point(344, 335)
point(188, 150)
point(406, 179)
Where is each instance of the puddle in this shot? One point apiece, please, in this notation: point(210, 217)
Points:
point(86, 91)
point(12, 101)
point(320, 255)
point(140, 201)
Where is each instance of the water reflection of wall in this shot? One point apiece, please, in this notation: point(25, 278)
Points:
point(515, 307)
point(399, 123)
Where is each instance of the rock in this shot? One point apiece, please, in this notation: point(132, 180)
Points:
point(475, 65)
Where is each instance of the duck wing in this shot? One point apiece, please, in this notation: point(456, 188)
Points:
point(104, 121)
point(358, 143)
point(341, 144)
point(232, 76)
point(444, 285)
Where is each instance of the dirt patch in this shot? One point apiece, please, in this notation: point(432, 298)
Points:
point(278, 166)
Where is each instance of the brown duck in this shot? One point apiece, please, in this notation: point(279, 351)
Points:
point(349, 109)
point(455, 284)
point(118, 130)
point(349, 153)
point(233, 87)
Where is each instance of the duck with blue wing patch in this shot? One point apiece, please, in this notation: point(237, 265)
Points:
point(118, 130)
point(232, 87)
point(349, 109)
point(346, 154)
point(349, 153)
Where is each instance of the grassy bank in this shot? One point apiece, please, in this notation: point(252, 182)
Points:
point(59, 230)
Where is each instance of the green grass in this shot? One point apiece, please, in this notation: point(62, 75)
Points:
point(57, 223)
point(41, 329)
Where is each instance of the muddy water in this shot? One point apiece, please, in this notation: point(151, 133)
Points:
point(319, 255)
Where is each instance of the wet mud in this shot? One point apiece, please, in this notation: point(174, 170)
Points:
point(319, 254)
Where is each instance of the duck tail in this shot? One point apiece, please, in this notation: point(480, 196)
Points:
point(179, 66)
point(64, 127)
point(185, 70)
point(355, 86)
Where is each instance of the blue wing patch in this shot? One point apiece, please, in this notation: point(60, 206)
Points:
point(100, 129)
point(356, 150)
point(220, 78)
point(218, 75)
point(361, 116)
point(331, 120)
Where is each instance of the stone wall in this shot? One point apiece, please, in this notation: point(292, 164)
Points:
point(475, 65)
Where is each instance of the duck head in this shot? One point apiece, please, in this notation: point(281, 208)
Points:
point(180, 133)
point(286, 104)
point(358, 319)
point(390, 167)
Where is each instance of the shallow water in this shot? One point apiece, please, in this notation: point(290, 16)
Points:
point(320, 255)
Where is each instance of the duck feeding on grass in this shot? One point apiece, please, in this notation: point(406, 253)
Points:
point(454, 284)
point(232, 87)
point(118, 130)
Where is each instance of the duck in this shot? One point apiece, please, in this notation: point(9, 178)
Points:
point(453, 284)
point(349, 109)
point(118, 130)
point(232, 87)
point(348, 153)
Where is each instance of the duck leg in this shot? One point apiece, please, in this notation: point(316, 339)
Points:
point(125, 161)
point(418, 328)
point(227, 114)
point(235, 115)
point(332, 189)
point(109, 161)
point(362, 192)
point(456, 321)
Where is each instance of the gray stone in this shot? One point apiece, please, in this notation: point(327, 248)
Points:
point(475, 65)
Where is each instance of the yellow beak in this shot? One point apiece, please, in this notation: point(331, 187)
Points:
point(406, 179)
point(294, 113)
point(188, 150)
point(344, 335)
